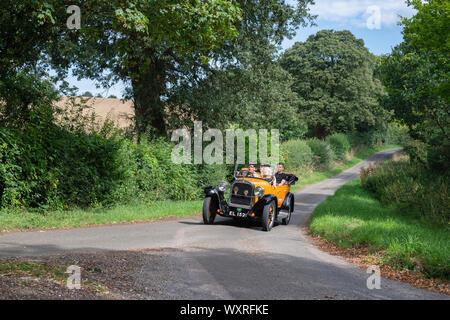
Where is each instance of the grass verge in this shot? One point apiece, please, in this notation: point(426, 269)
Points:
point(23, 220)
point(354, 218)
point(317, 176)
point(31, 269)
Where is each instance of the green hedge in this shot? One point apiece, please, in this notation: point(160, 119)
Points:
point(340, 145)
point(52, 167)
point(296, 154)
point(323, 155)
point(43, 165)
point(394, 134)
point(412, 188)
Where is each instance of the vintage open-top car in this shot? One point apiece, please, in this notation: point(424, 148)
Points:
point(251, 197)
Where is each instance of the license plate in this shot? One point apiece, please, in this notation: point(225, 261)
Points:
point(237, 214)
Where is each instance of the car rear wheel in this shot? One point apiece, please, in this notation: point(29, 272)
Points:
point(285, 221)
point(209, 210)
point(268, 216)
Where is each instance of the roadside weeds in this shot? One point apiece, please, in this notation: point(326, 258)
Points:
point(363, 258)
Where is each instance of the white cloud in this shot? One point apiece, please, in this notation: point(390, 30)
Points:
point(354, 12)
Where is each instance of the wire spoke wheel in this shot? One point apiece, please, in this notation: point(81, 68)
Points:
point(268, 217)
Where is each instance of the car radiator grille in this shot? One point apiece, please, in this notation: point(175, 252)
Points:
point(241, 194)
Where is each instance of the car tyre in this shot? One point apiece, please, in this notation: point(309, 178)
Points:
point(209, 210)
point(268, 216)
point(285, 221)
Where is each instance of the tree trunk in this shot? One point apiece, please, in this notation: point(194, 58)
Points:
point(148, 86)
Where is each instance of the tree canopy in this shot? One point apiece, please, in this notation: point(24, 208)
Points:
point(137, 41)
point(244, 86)
point(246, 97)
point(334, 78)
point(429, 32)
point(416, 76)
point(152, 45)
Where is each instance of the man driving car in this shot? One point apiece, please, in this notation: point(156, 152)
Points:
point(251, 171)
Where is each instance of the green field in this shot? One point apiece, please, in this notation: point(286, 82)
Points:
point(354, 217)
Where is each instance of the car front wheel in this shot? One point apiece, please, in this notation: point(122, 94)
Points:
point(209, 210)
point(268, 216)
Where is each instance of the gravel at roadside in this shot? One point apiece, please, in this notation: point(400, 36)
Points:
point(105, 275)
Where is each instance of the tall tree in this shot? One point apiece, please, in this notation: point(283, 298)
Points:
point(138, 41)
point(258, 97)
point(152, 45)
point(416, 76)
point(429, 32)
point(334, 78)
point(244, 86)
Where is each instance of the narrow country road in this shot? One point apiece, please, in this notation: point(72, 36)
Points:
point(227, 260)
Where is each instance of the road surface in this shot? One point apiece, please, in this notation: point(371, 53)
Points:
point(227, 260)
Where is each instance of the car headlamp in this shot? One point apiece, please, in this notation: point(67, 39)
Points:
point(222, 186)
point(259, 191)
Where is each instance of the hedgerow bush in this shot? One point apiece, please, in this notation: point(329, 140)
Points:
point(412, 188)
point(61, 160)
point(322, 153)
point(340, 145)
point(169, 180)
point(296, 154)
point(55, 168)
point(361, 139)
point(417, 151)
point(10, 184)
point(397, 134)
point(394, 133)
point(435, 156)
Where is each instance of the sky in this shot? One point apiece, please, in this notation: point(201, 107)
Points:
point(374, 21)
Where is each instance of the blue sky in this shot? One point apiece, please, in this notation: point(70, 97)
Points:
point(374, 21)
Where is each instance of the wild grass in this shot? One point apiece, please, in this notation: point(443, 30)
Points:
point(354, 217)
point(22, 220)
point(411, 188)
point(32, 269)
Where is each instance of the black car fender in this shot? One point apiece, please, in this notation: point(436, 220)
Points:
point(214, 193)
point(211, 192)
point(265, 200)
point(289, 201)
